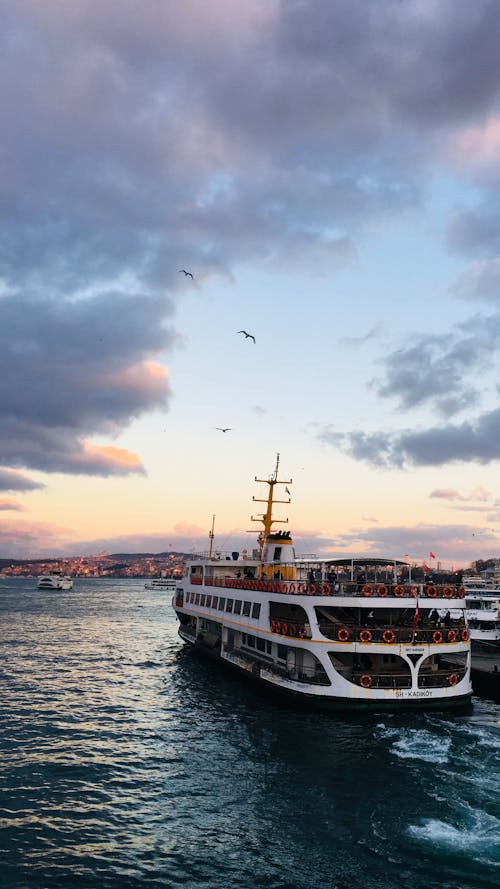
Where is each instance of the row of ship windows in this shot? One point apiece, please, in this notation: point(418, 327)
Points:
point(235, 606)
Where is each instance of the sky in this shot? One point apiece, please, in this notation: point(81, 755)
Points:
point(329, 173)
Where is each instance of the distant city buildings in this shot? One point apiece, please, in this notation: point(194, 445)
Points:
point(102, 565)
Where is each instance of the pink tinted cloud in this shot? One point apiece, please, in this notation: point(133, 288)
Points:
point(479, 493)
point(477, 146)
point(12, 505)
point(109, 460)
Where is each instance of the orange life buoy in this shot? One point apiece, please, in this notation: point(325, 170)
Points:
point(461, 592)
point(273, 626)
point(465, 635)
point(399, 590)
point(414, 591)
point(284, 629)
point(365, 680)
point(388, 636)
point(453, 679)
point(451, 636)
point(367, 590)
point(291, 588)
point(365, 636)
point(343, 634)
point(437, 636)
point(382, 590)
point(325, 589)
point(431, 591)
point(277, 626)
point(311, 589)
point(447, 592)
point(301, 588)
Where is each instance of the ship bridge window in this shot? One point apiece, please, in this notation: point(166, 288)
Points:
point(237, 606)
point(215, 601)
point(246, 609)
point(256, 610)
point(277, 553)
point(229, 604)
point(222, 603)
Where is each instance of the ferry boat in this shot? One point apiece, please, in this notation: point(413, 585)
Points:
point(161, 583)
point(482, 599)
point(55, 581)
point(332, 633)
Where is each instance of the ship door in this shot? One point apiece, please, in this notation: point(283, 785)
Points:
point(294, 661)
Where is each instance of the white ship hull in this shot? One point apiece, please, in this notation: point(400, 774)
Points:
point(55, 582)
point(341, 633)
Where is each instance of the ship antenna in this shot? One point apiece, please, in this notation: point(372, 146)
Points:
point(211, 536)
point(267, 518)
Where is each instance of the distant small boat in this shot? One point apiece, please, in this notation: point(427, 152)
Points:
point(161, 583)
point(55, 581)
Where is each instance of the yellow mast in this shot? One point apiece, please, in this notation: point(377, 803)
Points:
point(211, 536)
point(267, 518)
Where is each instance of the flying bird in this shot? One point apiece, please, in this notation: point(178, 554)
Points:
point(224, 429)
point(187, 274)
point(287, 492)
point(248, 336)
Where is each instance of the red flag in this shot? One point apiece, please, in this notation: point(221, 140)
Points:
point(416, 616)
point(432, 556)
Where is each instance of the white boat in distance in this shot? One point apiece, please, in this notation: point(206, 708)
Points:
point(55, 581)
point(333, 633)
point(161, 583)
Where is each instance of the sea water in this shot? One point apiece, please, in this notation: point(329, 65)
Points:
point(127, 761)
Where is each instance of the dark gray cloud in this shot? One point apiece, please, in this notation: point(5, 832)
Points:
point(445, 372)
point(477, 441)
point(10, 480)
point(74, 368)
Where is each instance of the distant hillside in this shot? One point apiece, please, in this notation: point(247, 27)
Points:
point(111, 556)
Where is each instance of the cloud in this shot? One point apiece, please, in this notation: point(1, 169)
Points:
point(374, 333)
point(307, 124)
point(481, 281)
point(480, 493)
point(76, 369)
point(10, 480)
point(24, 539)
point(11, 505)
point(451, 543)
point(477, 441)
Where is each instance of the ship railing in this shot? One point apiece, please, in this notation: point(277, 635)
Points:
point(345, 588)
point(312, 675)
point(399, 680)
point(395, 635)
point(441, 678)
point(367, 680)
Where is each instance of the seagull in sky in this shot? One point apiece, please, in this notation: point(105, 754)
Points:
point(224, 429)
point(248, 336)
point(187, 274)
